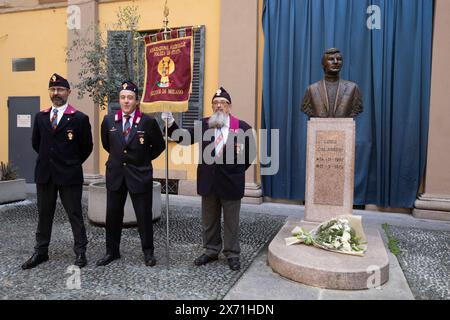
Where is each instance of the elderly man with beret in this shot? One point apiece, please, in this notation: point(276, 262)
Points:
point(220, 176)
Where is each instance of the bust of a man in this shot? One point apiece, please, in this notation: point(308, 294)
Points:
point(332, 97)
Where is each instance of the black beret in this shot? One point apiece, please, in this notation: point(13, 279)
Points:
point(222, 93)
point(129, 85)
point(57, 81)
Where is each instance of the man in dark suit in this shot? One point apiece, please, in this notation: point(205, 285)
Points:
point(228, 149)
point(133, 140)
point(332, 97)
point(62, 137)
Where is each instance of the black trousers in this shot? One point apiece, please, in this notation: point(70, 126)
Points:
point(47, 194)
point(142, 204)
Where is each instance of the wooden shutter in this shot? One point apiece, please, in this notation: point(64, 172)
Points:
point(195, 111)
point(120, 63)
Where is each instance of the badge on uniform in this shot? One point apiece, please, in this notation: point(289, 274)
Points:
point(113, 129)
point(70, 134)
point(141, 137)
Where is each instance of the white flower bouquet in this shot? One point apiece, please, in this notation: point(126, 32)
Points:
point(343, 234)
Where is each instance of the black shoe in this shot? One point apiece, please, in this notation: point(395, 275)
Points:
point(107, 259)
point(234, 263)
point(80, 260)
point(204, 259)
point(35, 260)
point(150, 260)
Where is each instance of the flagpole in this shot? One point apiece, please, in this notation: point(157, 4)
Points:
point(167, 194)
point(166, 22)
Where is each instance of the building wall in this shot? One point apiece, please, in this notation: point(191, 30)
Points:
point(40, 32)
point(434, 203)
point(27, 41)
point(21, 38)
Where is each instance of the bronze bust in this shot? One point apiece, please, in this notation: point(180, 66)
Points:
point(332, 97)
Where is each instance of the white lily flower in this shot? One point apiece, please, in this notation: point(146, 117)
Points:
point(346, 247)
point(346, 236)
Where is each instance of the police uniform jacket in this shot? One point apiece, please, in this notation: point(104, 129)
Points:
point(62, 151)
point(131, 161)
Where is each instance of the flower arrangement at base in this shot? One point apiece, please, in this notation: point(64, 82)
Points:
point(343, 234)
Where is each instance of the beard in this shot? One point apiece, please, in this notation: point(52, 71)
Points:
point(217, 120)
point(58, 101)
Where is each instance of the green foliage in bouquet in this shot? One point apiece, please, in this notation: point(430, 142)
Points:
point(304, 236)
point(338, 235)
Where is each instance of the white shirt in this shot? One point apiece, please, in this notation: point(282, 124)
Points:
point(225, 130)
point(61, 111)
point(124, 120)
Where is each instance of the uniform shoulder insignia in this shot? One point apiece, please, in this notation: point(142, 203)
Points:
point(70, 110)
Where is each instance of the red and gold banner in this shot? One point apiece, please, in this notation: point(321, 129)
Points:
point(168, 71)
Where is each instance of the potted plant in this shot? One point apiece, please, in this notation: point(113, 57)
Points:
point(97, 205)
point(11, 188)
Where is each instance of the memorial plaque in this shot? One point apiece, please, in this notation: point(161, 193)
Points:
point(329, 168)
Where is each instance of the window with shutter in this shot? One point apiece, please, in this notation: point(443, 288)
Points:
point(120, 63)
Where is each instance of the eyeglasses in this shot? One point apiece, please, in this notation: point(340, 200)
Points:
point(220, 103)
point(57, 89)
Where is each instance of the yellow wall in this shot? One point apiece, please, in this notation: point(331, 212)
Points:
point(182, 13)
point(41, 34)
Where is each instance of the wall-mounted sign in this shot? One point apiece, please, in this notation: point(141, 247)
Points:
point(24, 121)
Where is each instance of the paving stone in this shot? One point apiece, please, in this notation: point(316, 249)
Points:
point(128, 277)
point(425, 261)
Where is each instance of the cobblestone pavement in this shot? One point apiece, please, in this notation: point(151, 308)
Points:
point(128, 277)
point(425, 261)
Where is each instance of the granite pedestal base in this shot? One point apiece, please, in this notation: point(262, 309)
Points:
point(325, 269)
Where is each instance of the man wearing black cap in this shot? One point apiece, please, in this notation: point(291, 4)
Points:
point(133, 140)
point(221, 176)
point(62, 137)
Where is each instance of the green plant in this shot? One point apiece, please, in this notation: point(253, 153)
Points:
point(98, 78)
point(392, 242)
point(7, 171)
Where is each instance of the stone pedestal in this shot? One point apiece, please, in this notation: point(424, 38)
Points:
point(329, 193)
point(330, 163)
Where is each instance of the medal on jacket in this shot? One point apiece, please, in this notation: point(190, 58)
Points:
point(69, 134)
point(141, 137)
